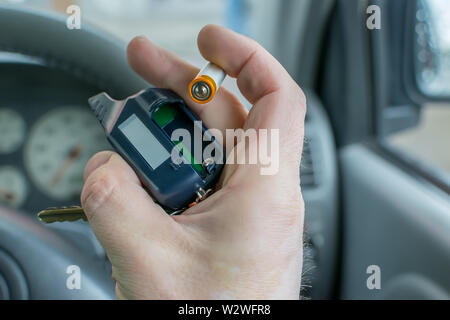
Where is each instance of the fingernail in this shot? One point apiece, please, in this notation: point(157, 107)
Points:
point(141, 38)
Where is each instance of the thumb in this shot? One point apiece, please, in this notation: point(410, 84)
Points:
point(118, 207)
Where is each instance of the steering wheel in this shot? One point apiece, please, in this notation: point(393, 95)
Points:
point(34, 259)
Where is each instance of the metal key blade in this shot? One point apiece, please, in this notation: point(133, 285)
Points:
point(62, 214)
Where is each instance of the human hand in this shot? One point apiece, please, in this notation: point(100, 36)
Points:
point(245, 240)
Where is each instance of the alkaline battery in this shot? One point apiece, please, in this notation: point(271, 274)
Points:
point(205, 85)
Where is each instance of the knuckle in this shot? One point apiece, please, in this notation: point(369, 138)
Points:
point(302, 100)
point(297, 100)
point(302, 96)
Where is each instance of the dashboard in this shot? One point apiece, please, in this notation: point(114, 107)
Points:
point(47, 135)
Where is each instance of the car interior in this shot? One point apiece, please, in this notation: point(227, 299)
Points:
point(375, 171)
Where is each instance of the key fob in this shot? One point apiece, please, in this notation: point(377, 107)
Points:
point(176, 158)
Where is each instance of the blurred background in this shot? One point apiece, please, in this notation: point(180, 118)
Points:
point(174, 24)
point(375, 173)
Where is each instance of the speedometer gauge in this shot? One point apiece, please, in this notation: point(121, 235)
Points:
point(12, 130)
point(59, 147)
point(13, 187)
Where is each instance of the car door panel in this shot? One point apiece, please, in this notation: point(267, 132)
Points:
point(396, 221)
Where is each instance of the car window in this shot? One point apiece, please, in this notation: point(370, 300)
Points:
point(423, 139)
point(428, 142)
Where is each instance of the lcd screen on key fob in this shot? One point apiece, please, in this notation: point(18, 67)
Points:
point(144, 142)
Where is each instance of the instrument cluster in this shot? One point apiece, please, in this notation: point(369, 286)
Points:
point(54, 151)
point(46, 137)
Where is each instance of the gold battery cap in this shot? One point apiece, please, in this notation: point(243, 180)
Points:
point(202, 89)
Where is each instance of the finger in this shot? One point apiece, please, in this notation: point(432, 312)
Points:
point(278, 101)
point(163, 69)
point(257, 72)
point(116, 205)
